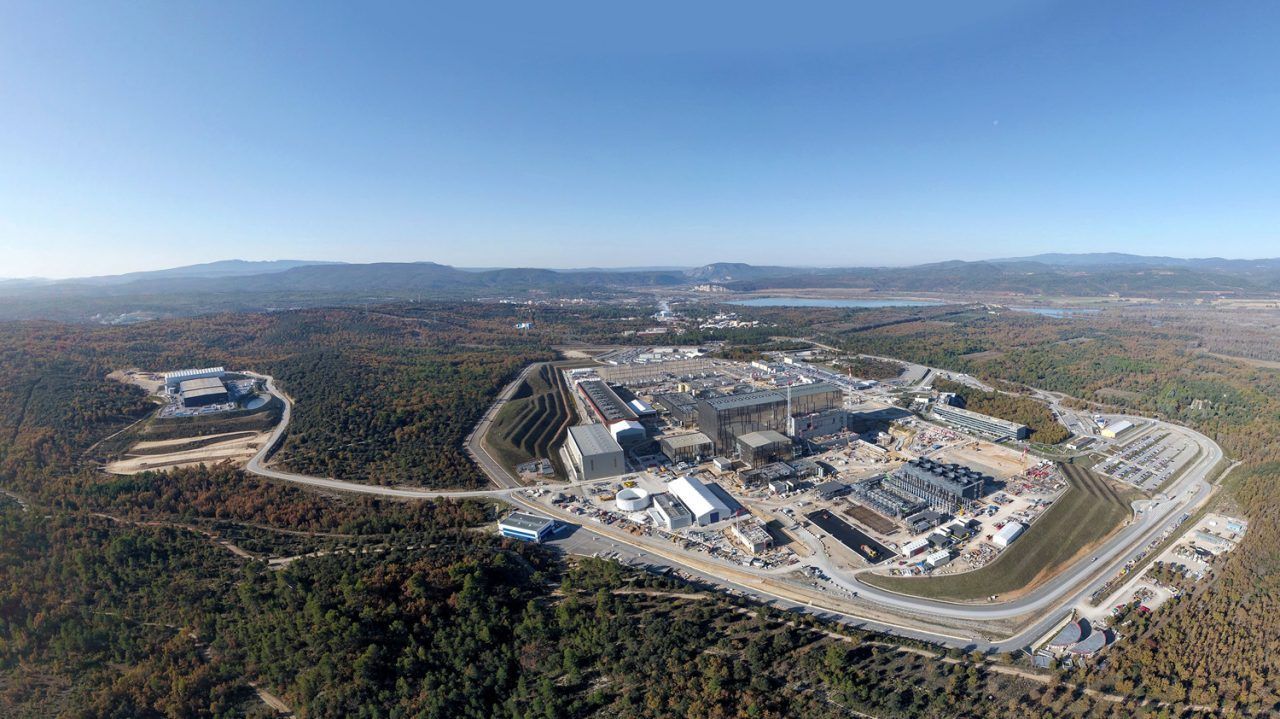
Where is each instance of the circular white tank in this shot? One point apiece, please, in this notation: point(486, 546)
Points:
point(632, 499)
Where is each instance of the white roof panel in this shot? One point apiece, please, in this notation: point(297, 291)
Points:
point(697, 497)
point(1009, 532)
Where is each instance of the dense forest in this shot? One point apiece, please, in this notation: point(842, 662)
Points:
point(139, 621)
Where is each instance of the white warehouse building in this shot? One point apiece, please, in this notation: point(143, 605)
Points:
point(938, 558)
point(1115, 429)
point(705, 507)
point(627, 432)
point(1008, 533)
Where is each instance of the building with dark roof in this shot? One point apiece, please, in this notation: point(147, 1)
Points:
point(760, 448)
point(813, 398)
point(831, 489)
point(724, 418)
point(1090, 645)
point(669, 513)
point(689, 447)
point(681, 407)
point(1069, 635)
point(203, 392)
point(874, 493)
point(943, 486)
point(760, 476)
point(606, 403)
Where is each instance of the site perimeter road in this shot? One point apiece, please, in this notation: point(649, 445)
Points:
point(257, 464)
point(1052, 599)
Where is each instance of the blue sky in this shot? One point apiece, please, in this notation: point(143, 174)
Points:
point(144, 134)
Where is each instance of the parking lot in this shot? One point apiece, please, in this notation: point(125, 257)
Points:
point(1148, 461)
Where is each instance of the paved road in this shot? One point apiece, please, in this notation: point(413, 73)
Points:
point(1052, 600)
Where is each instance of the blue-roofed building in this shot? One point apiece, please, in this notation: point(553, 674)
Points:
point(526, 526)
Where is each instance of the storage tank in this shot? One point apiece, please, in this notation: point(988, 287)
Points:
point(632, 499)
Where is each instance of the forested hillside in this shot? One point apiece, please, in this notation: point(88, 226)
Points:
point(378, 397)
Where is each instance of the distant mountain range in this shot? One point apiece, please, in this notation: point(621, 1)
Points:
point(239, 284)
point(1120, 259)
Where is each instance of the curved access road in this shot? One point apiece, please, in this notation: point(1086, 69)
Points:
point(1049, 602)
point(258, 463)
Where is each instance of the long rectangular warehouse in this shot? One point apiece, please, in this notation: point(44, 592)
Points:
point(173, 379)
point(998, 428)
point(606, 403)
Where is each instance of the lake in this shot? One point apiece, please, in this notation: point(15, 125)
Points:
point(1059, 312)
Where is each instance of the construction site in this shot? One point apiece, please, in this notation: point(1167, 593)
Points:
point(203, 416)
point(827, 465)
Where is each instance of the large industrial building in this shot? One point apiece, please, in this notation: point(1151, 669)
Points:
point(725, 418)
point(604, 402)
point(943, 486)
point(680, 407)
point(984, 424)
point(760, 448)
point(818, 424)
point(203, 392)
point(690, 447)
point(175, 378)
point(594, 452)
point(702, 503)
point(668, 513)
point(526, 526)
point(813, 397)
point(898, 505)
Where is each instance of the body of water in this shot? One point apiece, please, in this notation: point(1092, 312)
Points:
point(1060, 312)
point(811, 302)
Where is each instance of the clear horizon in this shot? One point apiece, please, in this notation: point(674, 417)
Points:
point(566, 269)
point(148, 135)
